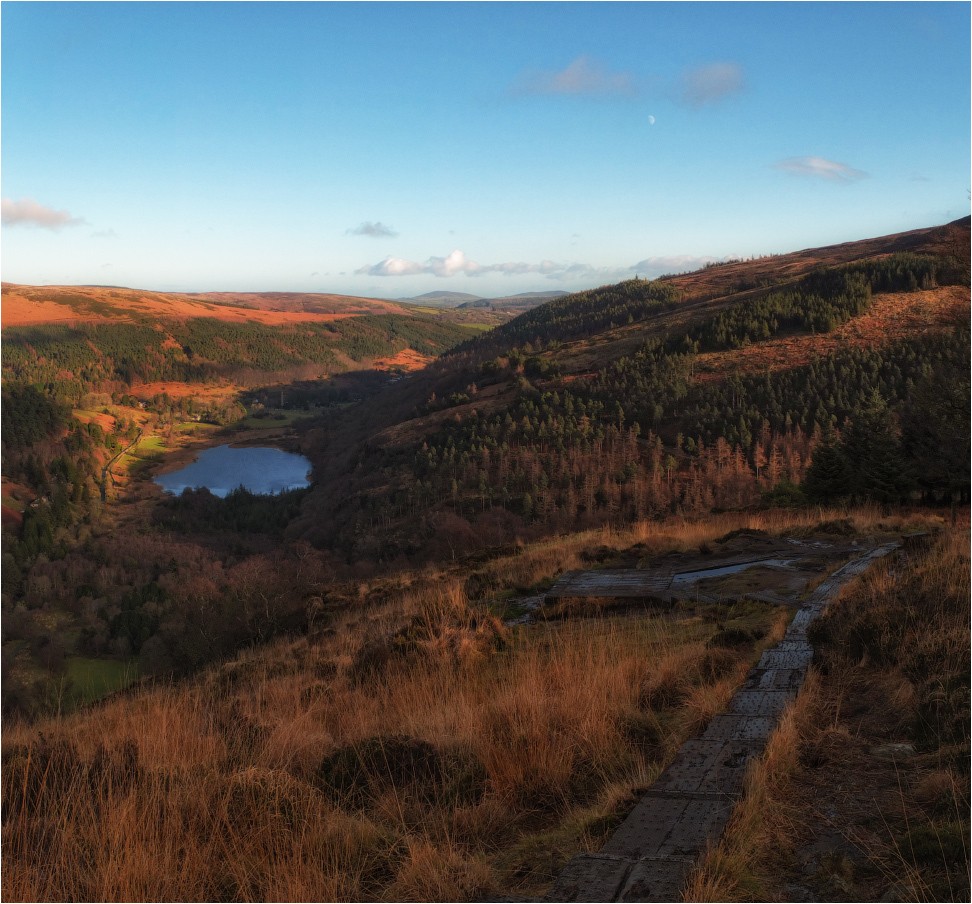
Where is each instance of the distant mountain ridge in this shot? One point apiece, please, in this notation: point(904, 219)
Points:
point(522, 301)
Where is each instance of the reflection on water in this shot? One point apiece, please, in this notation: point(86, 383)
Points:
point(224, 468)
point(688, 577)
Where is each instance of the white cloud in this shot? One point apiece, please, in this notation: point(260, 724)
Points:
point(820, 168)
point(677, 263)
point(457, 263)
point(393, 266)
point(28, 212)
point(583, 77)
point(373, 230)
point(710, 84)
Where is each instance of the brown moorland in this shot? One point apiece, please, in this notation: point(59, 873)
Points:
point(31, 305)
point(891, 317)
point(722, 279)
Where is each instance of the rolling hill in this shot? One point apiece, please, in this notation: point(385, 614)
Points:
point(706, 389)
point(94, 338)
point(33, 305)
point(516, 303)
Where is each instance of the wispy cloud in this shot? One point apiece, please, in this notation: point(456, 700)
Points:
point(373, 230)
point(28, 212)
point(677, 263)
point(456, 264)
point(104, 234)
point(710, 84)
point(584, 77)
point(820, 168)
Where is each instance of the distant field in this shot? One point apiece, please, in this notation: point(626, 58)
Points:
point(278, 417)
point(94, 678)
point(179, 390)
point(407, 359)
point(88, 416)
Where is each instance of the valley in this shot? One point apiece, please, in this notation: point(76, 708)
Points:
point(534, 560)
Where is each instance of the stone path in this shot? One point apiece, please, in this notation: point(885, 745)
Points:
point(652, 852)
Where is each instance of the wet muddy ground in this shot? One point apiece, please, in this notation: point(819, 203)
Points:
point(745, 564)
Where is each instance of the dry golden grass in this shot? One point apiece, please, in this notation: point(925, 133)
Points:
point(421, 751)
point(411, 748)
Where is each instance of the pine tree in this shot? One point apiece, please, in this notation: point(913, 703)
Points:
point(829, 475)
point(873, 452)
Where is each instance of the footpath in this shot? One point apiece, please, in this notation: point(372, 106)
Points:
point(650, 855)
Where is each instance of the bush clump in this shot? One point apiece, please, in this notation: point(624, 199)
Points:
point(358, 773)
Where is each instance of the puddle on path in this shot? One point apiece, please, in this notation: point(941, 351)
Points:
point(718, 571)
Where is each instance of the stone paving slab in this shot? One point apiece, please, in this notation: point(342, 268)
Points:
point(802, 619)
point(693, 760)
point(732, 727)
point(647, 826)
point(761, 702)
point(775, 659)
point(776, 679)
point(702, 820)
point(656, 880)
point(725, 776)
point(591, 877)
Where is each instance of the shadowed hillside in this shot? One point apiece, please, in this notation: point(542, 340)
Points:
point(710, 389)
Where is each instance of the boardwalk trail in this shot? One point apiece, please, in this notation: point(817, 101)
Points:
point(651, 853)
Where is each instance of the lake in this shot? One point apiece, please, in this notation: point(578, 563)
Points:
point(221, 470)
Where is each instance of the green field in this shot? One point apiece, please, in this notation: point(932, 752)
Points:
point(279, 417)
point(194, 427)
point(94, 678)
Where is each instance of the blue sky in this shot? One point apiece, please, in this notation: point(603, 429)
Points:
point(394, 149)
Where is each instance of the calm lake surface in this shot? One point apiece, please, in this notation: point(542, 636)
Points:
point(222, 469)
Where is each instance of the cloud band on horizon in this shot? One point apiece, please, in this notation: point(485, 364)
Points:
point(456, 264)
